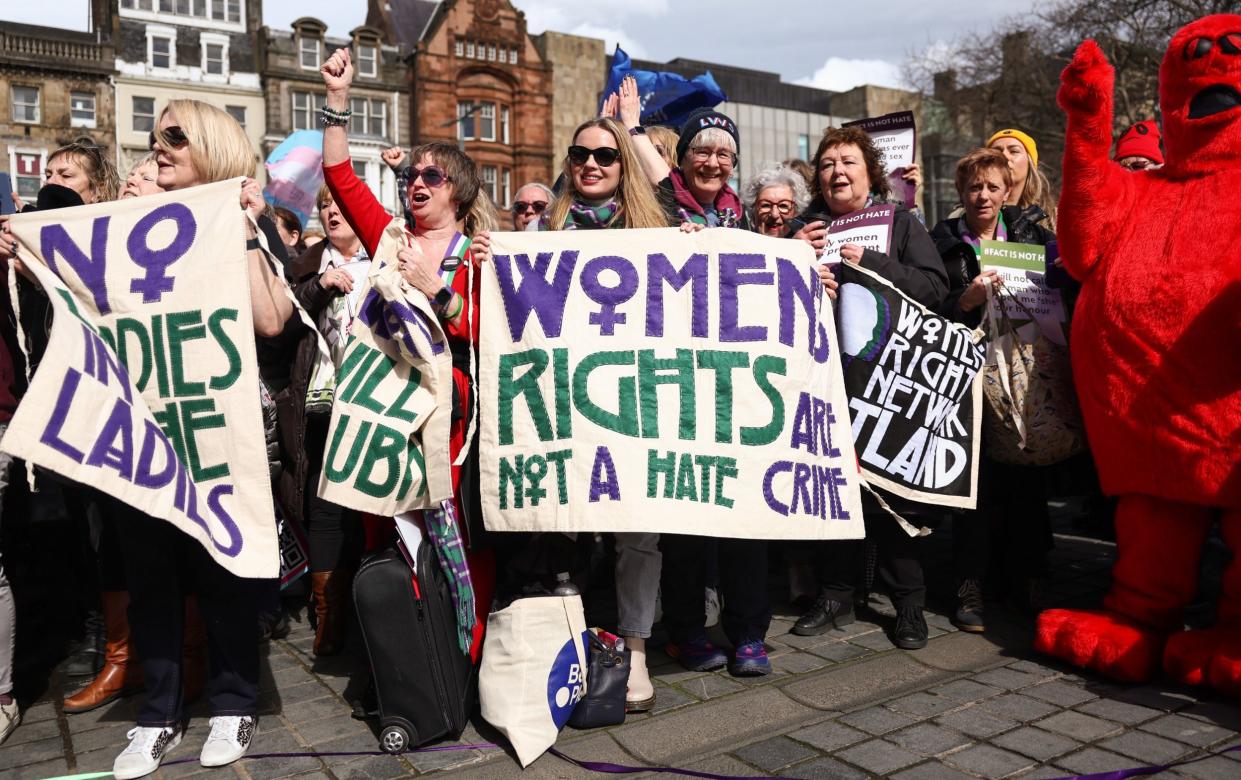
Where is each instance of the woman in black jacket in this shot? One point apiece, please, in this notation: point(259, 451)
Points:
point(849, 176)
point(1011, 525)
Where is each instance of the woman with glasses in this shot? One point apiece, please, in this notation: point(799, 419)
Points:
point(849, 177)
point(775, 196)
point(531, 201)
point(196, 143)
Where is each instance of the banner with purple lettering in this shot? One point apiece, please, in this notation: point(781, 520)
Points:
point(914, 393)
point(653, 380)
point(149, 388)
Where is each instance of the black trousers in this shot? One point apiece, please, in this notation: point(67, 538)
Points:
point(163, 565)
point(746, 613)
point(332, 531)
point(1004, 541)
point(899, 563)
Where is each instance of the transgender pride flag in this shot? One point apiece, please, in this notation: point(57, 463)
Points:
point(295, 173)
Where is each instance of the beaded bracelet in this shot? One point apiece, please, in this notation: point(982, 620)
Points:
point(333, 118)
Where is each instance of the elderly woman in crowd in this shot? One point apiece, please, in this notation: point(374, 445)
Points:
point(1030, 185)
point(1011, 529)
point(849, 176)
point(698, 194)
point(774, 196)
point(196, 143)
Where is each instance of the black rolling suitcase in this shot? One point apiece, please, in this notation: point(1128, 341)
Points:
point(425, 685)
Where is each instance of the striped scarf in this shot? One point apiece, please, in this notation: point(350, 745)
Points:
point(583, 216)
point(445, 532)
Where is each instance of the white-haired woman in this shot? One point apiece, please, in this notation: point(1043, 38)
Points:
point(774, 196)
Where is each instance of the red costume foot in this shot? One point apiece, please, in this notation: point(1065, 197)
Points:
point(1103, 641)
point(1211, 657)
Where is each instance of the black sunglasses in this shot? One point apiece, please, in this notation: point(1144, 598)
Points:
point(520, 206)
point(604, 155)
point(173, 134)
point(432, 175)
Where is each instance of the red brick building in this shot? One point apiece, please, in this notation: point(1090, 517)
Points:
point(476, 79)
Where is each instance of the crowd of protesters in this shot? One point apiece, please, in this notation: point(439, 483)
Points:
point(175, 624)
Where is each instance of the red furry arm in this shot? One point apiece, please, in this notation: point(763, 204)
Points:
point(1096, 191)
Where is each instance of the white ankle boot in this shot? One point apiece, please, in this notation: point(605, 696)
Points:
point(640, 695)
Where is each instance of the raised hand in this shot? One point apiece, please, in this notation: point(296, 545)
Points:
point(630, 102)
point(609, 107)
point(337, 73)
point(1086, 84)
point(252, 203)
point(393, 156)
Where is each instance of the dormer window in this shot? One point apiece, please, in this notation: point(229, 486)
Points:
point(368, 60)
point(310, 50)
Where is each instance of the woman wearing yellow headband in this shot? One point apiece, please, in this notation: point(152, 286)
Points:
point(1030, 185)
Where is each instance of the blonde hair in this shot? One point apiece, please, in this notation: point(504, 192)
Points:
point(105, 182)
point(219, 147)
point(665, 140)
point(146, 159)
point(482, 215)
point(637, 205)
point(1037, 192)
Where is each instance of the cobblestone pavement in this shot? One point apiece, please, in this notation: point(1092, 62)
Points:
point(843, 705)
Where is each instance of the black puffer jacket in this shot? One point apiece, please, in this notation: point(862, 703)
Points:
point(961, 261)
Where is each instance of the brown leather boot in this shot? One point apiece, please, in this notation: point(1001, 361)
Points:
point(193, 653)
point(121, 674)
point(329, 589)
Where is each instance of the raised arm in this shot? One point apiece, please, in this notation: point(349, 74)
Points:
point(1097, 192)
point(653, 162)
point(337, 75)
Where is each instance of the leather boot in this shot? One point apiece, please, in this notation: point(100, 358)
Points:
point(121, 674)
point(193, 653)
point(328, 588)
point(640, 694)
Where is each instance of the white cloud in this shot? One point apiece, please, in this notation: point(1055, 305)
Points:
point(841, 73)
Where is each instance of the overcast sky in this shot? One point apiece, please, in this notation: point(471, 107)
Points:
point(832, 45)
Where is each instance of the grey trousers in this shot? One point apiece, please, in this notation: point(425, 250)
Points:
point(638, 562)
point(8, 614)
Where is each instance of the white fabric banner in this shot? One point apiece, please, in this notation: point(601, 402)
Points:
point(149, 389)
point(652, 380)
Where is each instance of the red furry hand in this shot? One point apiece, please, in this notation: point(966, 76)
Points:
point(1086, 84)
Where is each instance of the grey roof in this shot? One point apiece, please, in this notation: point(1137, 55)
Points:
point(409, 19)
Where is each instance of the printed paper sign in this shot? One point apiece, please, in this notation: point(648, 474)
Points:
point(149, 389)
point(652, 380)
point(1023, 269)
point(869, 228)
point(895, 136)
point(914, 398)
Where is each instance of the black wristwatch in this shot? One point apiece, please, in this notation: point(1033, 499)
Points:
point(639, 130)
point(443, 297)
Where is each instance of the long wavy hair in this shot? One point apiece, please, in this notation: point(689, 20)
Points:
point(637, 205)
point(1037, 191)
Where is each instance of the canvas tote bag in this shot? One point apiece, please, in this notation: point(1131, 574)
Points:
point(534, 670)
point(1031, 416)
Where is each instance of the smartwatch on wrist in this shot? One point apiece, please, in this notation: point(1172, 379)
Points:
point(639, 130)
point(443, 297)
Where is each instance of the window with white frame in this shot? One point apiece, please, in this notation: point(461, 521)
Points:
point(512, 56)
point(489, 180)
point(504, 124)
point(238, 113)
point(505, 187)
point(213, 10)
point(487, 122)
point(309, 49)
point(161, 47)
point(458, 48)
point(306, 107)
point(144, 114)
point(25, 102)
point(482, 51)
point(214, 54)
point(469, 50)
point(491, 52)
point(27, 167)
point(368, 60)
point(81, 109)
point(359, 169)
point(369, 117)
point(465, 121)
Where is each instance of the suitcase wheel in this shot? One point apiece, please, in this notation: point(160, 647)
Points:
point(394, 739)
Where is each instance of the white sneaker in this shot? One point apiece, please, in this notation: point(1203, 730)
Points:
point(712, 607)
point(10, 716)
point(229, 740)
point(147, 747)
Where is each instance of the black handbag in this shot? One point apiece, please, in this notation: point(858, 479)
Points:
point(607, 679)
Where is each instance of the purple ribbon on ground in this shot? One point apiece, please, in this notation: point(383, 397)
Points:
point(1121, 774)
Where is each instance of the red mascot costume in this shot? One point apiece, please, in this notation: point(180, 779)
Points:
point(1157, 356)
